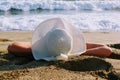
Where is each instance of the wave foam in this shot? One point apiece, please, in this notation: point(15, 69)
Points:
point(94, 21)
point(26, 5)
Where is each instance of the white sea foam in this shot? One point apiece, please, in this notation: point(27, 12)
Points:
point(27, 5)
point(88, 15)
point(86, 21)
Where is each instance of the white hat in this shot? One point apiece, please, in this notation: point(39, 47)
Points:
point(56, 39)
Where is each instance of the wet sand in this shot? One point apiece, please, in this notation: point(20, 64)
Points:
point(76, 68)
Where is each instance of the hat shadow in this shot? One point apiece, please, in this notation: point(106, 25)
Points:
point(93, 66)
point(11, 62)
point(87, 64)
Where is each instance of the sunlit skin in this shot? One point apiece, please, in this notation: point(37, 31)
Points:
point(24, 49)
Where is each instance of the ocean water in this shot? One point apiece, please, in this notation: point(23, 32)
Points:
point(87, 15)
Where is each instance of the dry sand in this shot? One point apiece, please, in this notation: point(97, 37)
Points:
point(76, 68)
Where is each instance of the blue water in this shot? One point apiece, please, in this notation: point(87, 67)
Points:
point(91, 15)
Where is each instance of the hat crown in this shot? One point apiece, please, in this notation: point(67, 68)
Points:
point(58, 42)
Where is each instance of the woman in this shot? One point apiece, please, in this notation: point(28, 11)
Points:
point(24, 49)
point(57, 39)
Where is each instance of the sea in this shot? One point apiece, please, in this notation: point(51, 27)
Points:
point(87, 15)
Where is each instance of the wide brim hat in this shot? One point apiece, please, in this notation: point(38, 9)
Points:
point(75, 38)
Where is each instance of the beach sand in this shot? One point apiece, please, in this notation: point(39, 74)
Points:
point(76, 68)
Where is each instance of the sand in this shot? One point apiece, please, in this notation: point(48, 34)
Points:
point(76, 68)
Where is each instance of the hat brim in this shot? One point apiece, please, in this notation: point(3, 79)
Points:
point(39, 49)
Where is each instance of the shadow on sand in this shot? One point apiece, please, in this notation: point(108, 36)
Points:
point(11, 62)
point(92, 65)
